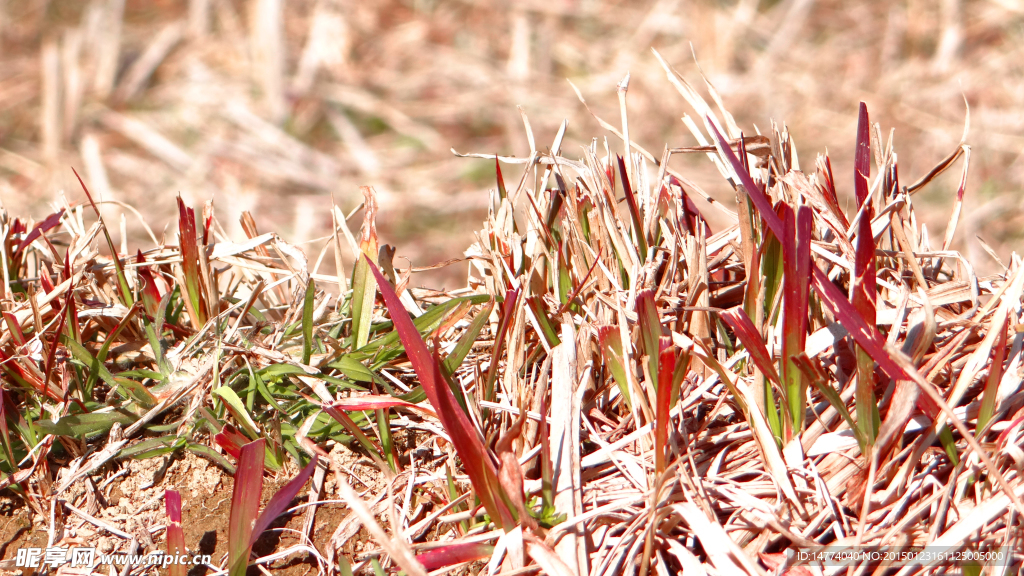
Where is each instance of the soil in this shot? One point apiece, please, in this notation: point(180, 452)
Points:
point(134, 500)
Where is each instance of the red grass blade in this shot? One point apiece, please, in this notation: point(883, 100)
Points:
point(190, 262)
point(691, 218)
point(501, 181)
point(50, 221)
point(666, 370)
point(744, 329)
point(866, 336)
point(761, 202)
point(862, 156)
point(862, 285)
point(454, 554)
point(371, 447)
point(511, 297)
point(5, 436)
point(796, 256)
point(175, 535)
point(245, 503)
point(149, 292)
point(280, 501)
point(650, 329)
point(231, 440)
point(828, 188)
point(479, 462)
point(14, 328)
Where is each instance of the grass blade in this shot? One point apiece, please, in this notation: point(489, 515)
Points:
point(862, 285)
point(502, 193)
point(634, 210)
point(454, 554)
point(611, 350)
point(378, 402)
point(650, 329)
point(280, 501)
point(122, 280)
point(744, 329)
point(865, 335)
point(465, 344)
point(363, 288)
point(662, 421)
point(189, 246)
point(814, 374)
point(862, 156)
point(479, 462)
point(307, 321)
point(48, 223)
point(175, 535)
point(995, 375)
point(148, 291)
point(245, 504)
point(511, 298)
point(797, 257)
point(371, 447)
point(536, 304)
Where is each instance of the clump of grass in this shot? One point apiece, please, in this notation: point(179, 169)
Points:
point(620, 388)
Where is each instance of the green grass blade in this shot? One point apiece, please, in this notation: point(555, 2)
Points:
point(307, 321)
point(995, 374)
point(611, 350)
point(364, 290)
point(465, 343)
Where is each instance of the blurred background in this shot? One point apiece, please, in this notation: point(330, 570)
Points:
point(272, 106)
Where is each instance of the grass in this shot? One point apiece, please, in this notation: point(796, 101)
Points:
point(122, 99)
point(621, 387)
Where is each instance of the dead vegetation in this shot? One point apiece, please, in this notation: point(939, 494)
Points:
point(688, 398)
point(150, 99)
point(647, 371)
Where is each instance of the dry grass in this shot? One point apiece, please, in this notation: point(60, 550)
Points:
point(153, 99)
point(715, 372)
point(646, 346)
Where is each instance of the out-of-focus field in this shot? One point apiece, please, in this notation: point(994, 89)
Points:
point(272, 106)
